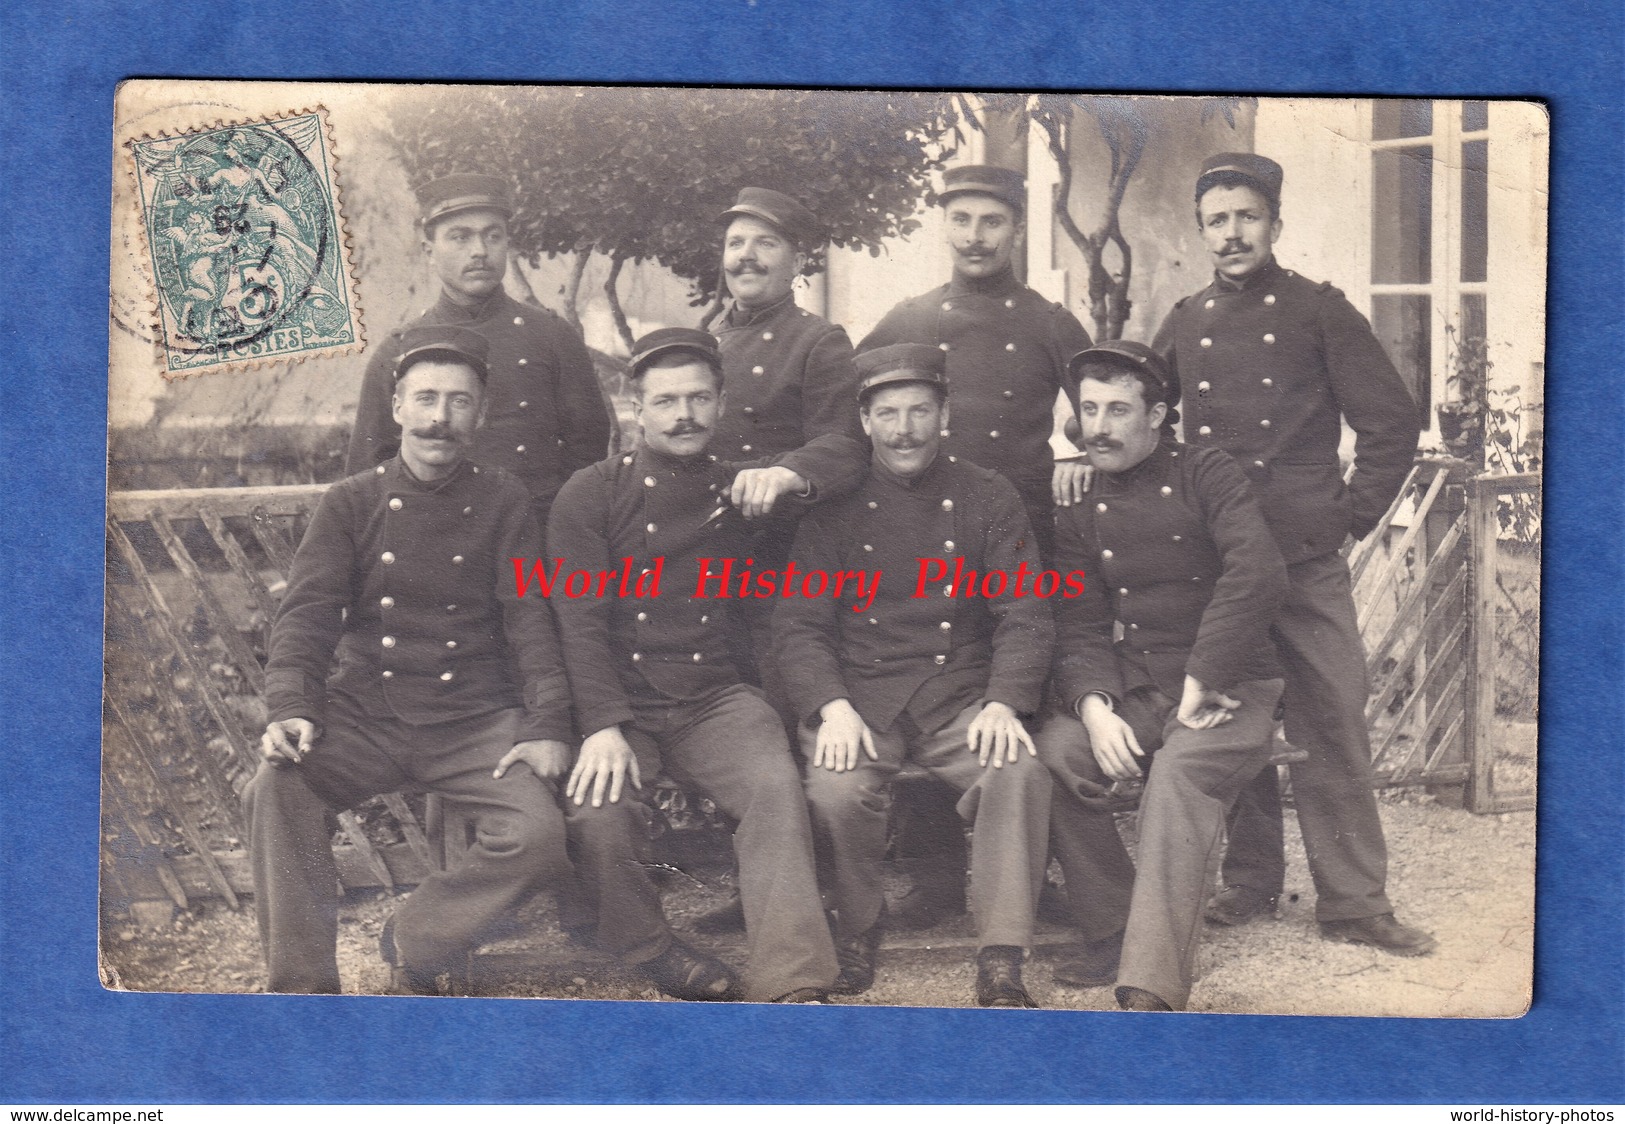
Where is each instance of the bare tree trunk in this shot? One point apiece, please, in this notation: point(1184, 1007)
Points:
point(517, 272)
point(1124, 132)
point(622, 328)
point(572, 288)
point(714, 309)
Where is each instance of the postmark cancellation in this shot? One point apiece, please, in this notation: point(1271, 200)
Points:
point(245, 242)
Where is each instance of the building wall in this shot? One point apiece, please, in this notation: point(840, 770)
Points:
point(1157, 215)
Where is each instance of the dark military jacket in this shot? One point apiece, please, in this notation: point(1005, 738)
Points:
point(1180, 563)
point(1267, 369)
point(411, 584)
point(628, 511)
point(927, 657)
point(544, 412)
point(789, 377)
point(1007, 350)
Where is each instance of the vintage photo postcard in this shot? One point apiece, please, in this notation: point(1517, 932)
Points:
point(896, 548)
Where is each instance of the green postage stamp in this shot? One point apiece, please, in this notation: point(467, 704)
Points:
point(245, 236)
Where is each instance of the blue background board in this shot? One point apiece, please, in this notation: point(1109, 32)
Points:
point(68, 1041)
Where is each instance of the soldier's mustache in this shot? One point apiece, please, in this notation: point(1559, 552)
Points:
point(1238, 247)
point(745, 267)
point(434, 433)
point(683, 429)
point(1104, 444)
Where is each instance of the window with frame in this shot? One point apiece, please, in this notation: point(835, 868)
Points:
point(1429, 233)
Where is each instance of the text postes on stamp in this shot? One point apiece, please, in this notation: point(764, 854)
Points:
point(248, 257)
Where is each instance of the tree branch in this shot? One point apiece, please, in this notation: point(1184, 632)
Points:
point(572, 287)
point(622, 328)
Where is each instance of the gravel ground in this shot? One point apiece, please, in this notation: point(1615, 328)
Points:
point(1467, 878)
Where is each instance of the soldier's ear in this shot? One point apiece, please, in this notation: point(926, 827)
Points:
point(1275, 231)
point(395, 405)
point(1157, 414)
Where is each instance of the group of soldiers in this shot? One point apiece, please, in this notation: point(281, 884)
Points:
point(1216, 600)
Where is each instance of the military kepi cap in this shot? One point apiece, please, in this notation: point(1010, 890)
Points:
point(463, 192)
point(985, 179)
point(779, 211)
point(900, 362)
point(1125, 355)
point(1260, 171)
point(664, 341)
point(443, 341)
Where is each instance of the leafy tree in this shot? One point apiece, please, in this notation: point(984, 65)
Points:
point(642, 174)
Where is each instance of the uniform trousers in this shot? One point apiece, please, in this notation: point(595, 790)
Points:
point(930, 838)
point(1326, 692)
point(1008, 808)
point(1193, 778)
point(730, 746)
point(519, 841)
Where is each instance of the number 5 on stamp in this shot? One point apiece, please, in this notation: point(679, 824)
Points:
point(248, 255)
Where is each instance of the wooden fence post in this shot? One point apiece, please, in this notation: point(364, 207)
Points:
point(1482, 529)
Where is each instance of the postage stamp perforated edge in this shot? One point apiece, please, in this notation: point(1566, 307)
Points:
point(146, 268)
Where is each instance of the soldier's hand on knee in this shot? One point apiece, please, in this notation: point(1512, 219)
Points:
point(606, 763)
point(840, 736)
point(288, 741)
point(1203, 709)
point(1111, 739)
point(548, 759)
point(997, 733)
point(1070, 481)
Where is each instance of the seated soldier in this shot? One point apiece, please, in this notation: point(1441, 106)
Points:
point(657, 688)
point(1181, 564)
point(942, 682)
point(445, 679)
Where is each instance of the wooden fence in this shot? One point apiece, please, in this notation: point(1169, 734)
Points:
point(194, 577)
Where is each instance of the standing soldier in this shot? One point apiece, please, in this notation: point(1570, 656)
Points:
point(1271, 365)
point(1006, 348)
point(657, 688)
point(545, 414)
point(940, 680)
point(789, 373)
point(790, 380)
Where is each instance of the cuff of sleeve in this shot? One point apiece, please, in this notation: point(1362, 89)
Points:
point(1211, 673)
point(1023, 702)
point(603, 716)
point(544, 727)
point(288, 695)
point(1111, 701)
point(817, 702)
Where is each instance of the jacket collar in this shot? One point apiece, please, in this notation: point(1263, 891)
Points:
point(741, 317)
point(448, 311)
point(1152, 468)
point(396, 473)
point(1264, 274)
point(651, 460)
point(928, 481)
point(1000, 284)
